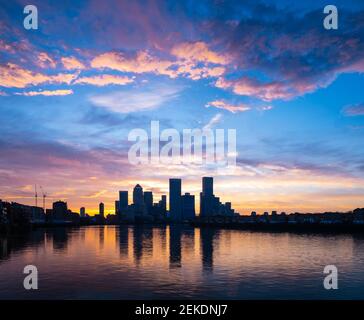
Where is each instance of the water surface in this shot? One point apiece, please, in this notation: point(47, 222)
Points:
point(178, 262)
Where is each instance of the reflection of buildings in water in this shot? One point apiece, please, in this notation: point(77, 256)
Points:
point(82, 235)
point(148, 242)
point(12, 244)
point(48, 238)
point(188, 238)
point(60, 238)
point(101, 236)
point(37, 240)
point(162, 235)
point(175, 234)
point(123, 235)
point(207, 247)
point(159, 244)
point(142, 242)
point(138, 243)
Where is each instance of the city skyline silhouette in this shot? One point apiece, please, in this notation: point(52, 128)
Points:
point(71, 93)
point(197, 151)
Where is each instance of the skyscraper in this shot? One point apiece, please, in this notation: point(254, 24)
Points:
point(117, 207)
point(138, 198)
point(102, 209)
point(175, 203)
point(208, 185)
point(148, 201)
point(123, 201)
point(82, 212)
point(138, 207)
point(163, 203)
point(188, 207)
point(207, 199)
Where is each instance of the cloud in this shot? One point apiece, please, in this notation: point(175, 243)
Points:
point(98, 116)
point(72, 63)
point(94, 195)
point(136, 100)
point(293, 51)
point(265, 108)
point(266, 91)
point(142, 62)
point(57, 166)
point(6, 47)
point(44, 60)
point(199, 52)
point(221, 104)
point(213, 121)
point(354, 110)
point(104, 80)
point(14, 76)
point(190, 70)
point(194, 60)
point(46, 93)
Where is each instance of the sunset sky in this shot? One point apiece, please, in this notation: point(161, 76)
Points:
point(71, 91)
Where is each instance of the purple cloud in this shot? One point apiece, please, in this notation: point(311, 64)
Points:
point(354, 110)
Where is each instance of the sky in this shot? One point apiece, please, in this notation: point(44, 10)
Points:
point(72, 90)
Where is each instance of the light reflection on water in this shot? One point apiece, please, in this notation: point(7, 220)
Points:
point(144, 262)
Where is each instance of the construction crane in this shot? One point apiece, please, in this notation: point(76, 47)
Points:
point(44, 197)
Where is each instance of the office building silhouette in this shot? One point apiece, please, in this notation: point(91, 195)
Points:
point(117, 207)
point(60, 210)
point(148, 201)
point(138, 208)
point(188, 207)
point(208, 185)
point(102, 210)
point(207, 199)
point(138, 197)
point(175, 203)
point(123, 201)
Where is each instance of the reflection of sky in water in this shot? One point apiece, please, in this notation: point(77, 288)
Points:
point(180, 262)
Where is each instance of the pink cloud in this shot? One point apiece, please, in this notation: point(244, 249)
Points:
point(142, 62)
point(104, 80)
point(269, 91)
point(198, 51)
point(190, 70)
point(354, 110)
point(47, 93)
point(251, 87)
point(44, 60)
point(63, 78)
point(5, 47)
point(72, 63)
point(14, 76)
point(221, 104)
